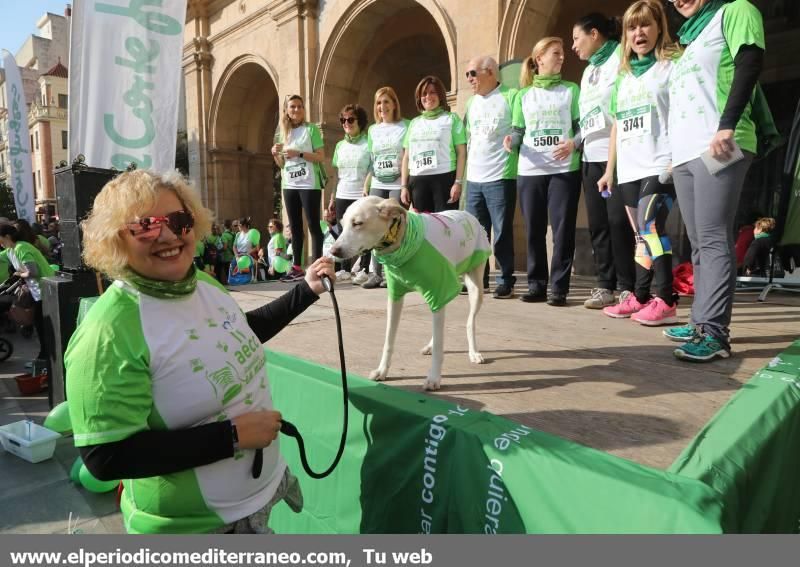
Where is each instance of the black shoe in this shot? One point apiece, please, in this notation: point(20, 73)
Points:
point(557, 300)
point(534, 297)
point(503, 291)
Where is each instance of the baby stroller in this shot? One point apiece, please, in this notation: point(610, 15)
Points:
point(242, 270)
point(8, 294)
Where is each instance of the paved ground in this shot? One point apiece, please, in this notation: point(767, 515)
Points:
point(609, 384)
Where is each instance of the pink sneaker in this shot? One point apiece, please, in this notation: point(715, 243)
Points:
point(656, 313)
point(624, 308)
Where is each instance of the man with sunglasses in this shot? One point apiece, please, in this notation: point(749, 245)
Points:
point(491, 171)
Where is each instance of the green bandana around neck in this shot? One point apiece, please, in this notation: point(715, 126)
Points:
point(412, 240)
point(546, 81)
point(692, 27)
point(601, 55)
point(431, 114)
point(640, 65)
point(761, 235)
point(161, 289)
point(354, 139)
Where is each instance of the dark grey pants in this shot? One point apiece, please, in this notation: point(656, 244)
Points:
point(708, 205)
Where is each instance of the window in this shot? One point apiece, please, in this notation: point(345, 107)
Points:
point(38, 179)
point(62, 101)
point(64, 139)
point(36, 137)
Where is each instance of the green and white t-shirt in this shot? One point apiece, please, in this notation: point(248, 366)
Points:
point(596, 85)
point(26, 253)
point(640, 106)
point(247, 241)
point(547, 116)
point(352, 160)
point(431, 143)
point(277, 242)
point(488, 121)
point(299, 173)
point(385, 141)
point(702, 78)
point(436, 249)
point(140, 363)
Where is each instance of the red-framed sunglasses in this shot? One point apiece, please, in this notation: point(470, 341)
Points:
point(149, 228)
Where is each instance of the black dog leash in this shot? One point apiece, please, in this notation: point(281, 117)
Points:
point(288, 428)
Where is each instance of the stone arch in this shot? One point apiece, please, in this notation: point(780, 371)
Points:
point(242, 122)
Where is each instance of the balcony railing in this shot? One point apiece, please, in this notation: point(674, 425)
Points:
point(38, 112)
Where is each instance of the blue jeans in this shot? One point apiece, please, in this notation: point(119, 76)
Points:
point(493, 204)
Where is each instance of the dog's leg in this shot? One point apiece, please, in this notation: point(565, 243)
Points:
point(428, 348)
point(437, 352)
point(392, 321)
point(474, 283)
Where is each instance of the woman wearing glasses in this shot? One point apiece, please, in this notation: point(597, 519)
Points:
point(166, 375)
point(299, 153)
point(711, 121)
point(435, 152)
point(385, 142)
point(640, 152)
point(352, 160)
point(595, 39)
point(545, 120)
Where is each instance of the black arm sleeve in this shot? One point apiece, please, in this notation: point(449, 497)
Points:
point(155, 453)
point(747, 67)
point(268, 320)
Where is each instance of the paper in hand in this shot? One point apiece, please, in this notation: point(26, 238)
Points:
point(715, 165)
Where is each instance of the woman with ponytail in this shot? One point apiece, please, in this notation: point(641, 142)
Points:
point(545, 121)
point(641, 153)
point(299, 153)
point(595, 39)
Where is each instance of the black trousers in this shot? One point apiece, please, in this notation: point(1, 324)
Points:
point(341, 206)
point(296, 201)
point(430, 193)
point(38, 324)
point(555, 196)
point(613, 242)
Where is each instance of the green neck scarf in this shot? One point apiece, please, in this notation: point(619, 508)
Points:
point(546, 81)
point(640, 65)
point(354, 139)
point(412, 240)
point(762, 235)
point(692, 27)
point(162, 289)
point(601, 55)
point(431, 114)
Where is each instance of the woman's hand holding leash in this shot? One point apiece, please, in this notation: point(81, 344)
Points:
point(257, 429)
point(321, 267)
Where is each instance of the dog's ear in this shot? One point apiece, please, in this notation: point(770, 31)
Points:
point(390, 209)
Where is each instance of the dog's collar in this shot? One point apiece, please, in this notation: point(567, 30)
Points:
point(391, 235)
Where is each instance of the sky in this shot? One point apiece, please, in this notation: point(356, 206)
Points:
point(19, 18)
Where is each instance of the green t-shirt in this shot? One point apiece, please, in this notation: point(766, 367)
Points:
point(26, 253)
point(4, 265)
point(298, 173)
point(431, 143)
point(228, 239)
point(138, 363)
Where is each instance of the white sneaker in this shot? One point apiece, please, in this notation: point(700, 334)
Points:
point(343, 276)
point(600, 298)
point(361, 278)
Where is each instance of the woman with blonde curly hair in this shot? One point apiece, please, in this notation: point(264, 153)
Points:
point(166, 378)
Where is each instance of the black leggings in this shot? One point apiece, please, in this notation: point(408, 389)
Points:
point(430, 193)
point(296, 201)
point(648, 203)
point(38, 324)
point(341, 206)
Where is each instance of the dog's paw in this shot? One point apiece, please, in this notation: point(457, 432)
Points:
point(427, 349)
point(476, 358)
point(433, 383)
point(379, 374)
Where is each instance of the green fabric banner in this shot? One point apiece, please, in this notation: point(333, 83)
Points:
point(419, 464)
point(791, 230)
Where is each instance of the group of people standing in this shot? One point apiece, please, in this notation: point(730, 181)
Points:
point(633, 134)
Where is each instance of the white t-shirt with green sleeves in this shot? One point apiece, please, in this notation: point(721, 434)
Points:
point(299, 173)
point(596, 85)
point(385, 141)
point(140, 363)
point(352, 161)
point(488, 121)
point(640, 106)
point(547, 116)
point(702, 78)
point(431, 143)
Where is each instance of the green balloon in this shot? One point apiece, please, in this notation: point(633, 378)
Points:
point(281, 265)
point(75, 471)
point(58, 419)
point(91, 484)
point(243, 263)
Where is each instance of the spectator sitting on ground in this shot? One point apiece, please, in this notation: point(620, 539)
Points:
point(756, 261)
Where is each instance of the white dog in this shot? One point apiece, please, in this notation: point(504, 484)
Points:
point(424, 253)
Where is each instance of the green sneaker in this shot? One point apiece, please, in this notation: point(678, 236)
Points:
point(681, 334)
point(702, 348)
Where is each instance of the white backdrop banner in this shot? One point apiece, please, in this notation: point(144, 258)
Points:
point(19, 141)
point(124, 84)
